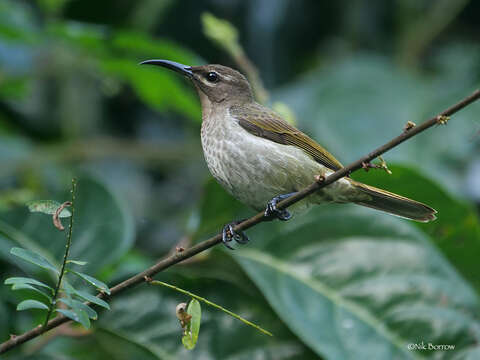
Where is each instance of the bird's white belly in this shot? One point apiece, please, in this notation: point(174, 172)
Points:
point(254, 170)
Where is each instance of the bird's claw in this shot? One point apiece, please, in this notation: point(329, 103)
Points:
point(272, 211)
point(228, 234)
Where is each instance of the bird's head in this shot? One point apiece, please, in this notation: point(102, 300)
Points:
point(214, 83)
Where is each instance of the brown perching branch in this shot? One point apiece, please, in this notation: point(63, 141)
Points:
point(319, 183)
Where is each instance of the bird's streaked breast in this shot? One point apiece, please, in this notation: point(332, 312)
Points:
point(251, 168)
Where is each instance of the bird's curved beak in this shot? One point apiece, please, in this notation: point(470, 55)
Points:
point(172, 65)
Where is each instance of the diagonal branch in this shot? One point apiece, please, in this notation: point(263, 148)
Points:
point(321, 182)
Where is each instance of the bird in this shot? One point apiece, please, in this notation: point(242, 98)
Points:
point(261, 159)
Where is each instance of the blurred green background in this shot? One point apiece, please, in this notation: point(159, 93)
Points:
point(340, 282)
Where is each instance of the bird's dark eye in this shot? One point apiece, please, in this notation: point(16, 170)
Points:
point(212, 77)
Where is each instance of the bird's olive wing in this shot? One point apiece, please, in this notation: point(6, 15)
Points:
point(263, 122)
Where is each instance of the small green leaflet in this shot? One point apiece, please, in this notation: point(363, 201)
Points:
point(70, 290)
point(25, 280)
point(33, 258)
point(77, 315)
point(93, 299)
point(192, 329)
point(32, 288)
point(91, 280)
point(75, 304)
point(77, 262)
point(48, 207)
point(31, 304)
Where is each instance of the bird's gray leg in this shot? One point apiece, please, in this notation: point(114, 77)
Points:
point(272, 212)
point(228, 234)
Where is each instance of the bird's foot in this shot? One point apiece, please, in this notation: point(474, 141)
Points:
point(228, 234)
point(272, 212)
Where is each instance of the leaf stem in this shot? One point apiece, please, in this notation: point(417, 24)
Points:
point(199, 298)
point(65, 255)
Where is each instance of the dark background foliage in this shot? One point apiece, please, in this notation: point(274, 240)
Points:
point(340, 282)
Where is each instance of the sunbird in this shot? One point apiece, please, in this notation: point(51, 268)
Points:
point(261, 159)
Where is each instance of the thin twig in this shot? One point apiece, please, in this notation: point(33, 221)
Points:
point(188, 253)
point(65, 255)
point(188, 293)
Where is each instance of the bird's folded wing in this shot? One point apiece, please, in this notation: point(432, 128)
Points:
point(265, 123)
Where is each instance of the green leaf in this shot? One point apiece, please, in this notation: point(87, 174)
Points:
point(31, 304)
point(33, 258)
point(340, 273)
point(71, 291)
point(92, 314)
point(93, 299)
point(189, 340)
point(99, 215)
point(77, 262)
point(81, 35)
point(142, 44)
point(48, 207)
point(91, 280)
point(221, 32)
point(217, 208)
point(10, 236)
point(25, 280)
point(75, 304)
point(29, 287)
point(77, 315)
point(456, 219)
point(159, 89)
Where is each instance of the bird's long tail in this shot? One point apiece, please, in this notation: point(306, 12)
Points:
point(395, 204)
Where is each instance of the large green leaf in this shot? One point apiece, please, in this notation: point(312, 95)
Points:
point(353, 283)
point(11, 236)
point(142, 44)
point(215, 209)
point(103, 229)
point(457, 228)
point(158, 88)
point(307, 233)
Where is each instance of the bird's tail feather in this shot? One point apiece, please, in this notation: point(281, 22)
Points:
point(395, 204)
